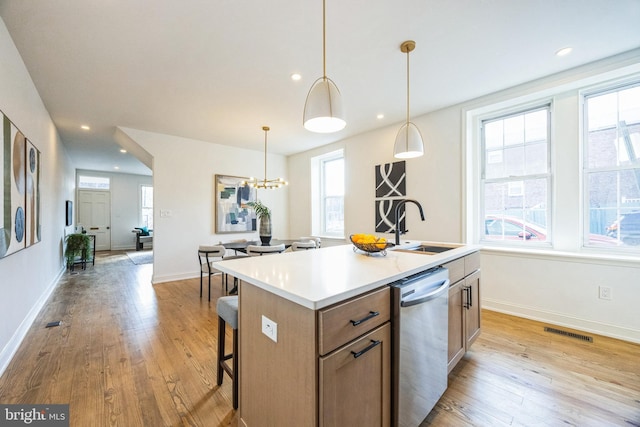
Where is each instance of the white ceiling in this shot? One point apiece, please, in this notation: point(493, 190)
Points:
point(218, 70)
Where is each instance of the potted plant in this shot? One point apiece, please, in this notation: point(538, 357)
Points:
point(77, 246)
point(264, 215)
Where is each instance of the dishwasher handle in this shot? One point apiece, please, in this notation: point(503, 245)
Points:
point(420, 298)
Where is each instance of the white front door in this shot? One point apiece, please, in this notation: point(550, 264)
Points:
point(94, 213)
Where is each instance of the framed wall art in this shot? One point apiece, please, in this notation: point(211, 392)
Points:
point(20, 190)
point(232, 213)
point(391, 188)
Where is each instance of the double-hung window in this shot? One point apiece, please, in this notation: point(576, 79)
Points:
point(328, 191)
point(611, 167)
point(516, 177)
point(146, 206)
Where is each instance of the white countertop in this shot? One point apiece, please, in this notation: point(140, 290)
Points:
point(320, 277)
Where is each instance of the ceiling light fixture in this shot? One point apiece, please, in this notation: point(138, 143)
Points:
point(85, 127)
point(323, 108)
point(295, 77)
point(265, 183)
point(122, 150)
point(409, 140)
point(564, 51)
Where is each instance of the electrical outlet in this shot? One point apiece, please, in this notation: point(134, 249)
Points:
point(270, 328)
point(605, 292)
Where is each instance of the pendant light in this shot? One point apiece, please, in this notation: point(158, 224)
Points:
point(323, 108)
point(409, 140)
point(265, 183)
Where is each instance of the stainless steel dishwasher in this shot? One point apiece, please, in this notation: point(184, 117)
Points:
point(420, 310)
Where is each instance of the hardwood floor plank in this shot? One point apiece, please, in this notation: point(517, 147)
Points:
point(131, 354)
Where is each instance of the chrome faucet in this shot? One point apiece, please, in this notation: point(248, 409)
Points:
point(398, 206)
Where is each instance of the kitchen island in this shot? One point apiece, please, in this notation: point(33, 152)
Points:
point(295, 357)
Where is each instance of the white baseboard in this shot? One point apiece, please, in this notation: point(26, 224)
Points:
point(173, 277)
point(12, 346)
point(607, 330)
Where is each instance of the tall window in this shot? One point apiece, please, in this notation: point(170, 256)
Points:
point(328, 190)
point(146, 204)
point(612, 167)
point(516, 177)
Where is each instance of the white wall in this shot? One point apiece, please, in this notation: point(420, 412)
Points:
point(433, 180)
point(183, 183)
point(559, 287)
point(27, 277)
point(125, 206)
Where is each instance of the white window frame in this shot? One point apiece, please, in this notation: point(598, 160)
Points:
point(100, 182)
point(500, 114)
point(142, 206)
point(593, 91)
point(319, 196)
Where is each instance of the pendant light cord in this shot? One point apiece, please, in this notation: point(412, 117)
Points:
point(266, 129)
point(408, 90)
point(324, 41)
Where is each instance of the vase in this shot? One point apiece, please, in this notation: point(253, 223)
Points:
point(265, 230)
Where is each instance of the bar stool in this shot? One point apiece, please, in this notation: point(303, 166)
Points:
point(227, 308)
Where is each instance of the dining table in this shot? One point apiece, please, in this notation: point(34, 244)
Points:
point(241, 246)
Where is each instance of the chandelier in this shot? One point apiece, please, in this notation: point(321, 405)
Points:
point(265, 183)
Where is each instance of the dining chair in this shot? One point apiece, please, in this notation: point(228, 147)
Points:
point(258, 250)
point(318, 240)
point(208, 255)
point(303, 245)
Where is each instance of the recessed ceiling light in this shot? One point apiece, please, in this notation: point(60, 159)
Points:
point(85, 127)
point(116, 167)
point(295, 77)
point(564, 51)
point(122, 150)
point(380, 116)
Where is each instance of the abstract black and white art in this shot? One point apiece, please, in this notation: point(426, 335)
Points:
point(385, 216)
point(391, 179)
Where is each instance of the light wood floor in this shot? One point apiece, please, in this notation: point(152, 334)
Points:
point(132, 354)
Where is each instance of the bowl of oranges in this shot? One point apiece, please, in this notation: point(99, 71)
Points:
point(370, 244)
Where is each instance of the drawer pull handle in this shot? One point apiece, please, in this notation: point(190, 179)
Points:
point(361, 352)
point(371, 315)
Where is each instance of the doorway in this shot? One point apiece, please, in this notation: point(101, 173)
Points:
point(94, 213)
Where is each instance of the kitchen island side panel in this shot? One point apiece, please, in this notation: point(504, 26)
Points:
point(278, 380)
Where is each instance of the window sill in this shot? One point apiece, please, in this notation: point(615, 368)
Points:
point(577, 257)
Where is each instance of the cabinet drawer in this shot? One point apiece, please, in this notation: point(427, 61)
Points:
point(471, 263)
point(345, 321)
point(456, 270)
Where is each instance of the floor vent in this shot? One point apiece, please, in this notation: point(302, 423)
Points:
point(568, 334)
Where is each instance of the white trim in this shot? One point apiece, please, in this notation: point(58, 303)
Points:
point(9, 350)
point(555, 318)
point(578, 257)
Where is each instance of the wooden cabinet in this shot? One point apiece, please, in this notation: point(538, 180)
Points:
point(330, 367)
point(355, 387)
point(464, 306)
point(355, 361)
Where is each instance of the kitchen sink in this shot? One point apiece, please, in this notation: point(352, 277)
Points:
point(431, 249)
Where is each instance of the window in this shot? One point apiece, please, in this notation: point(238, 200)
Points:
point(328, 194)
point(93, 182)
point(611, 167)
point(515, 184)
point(146, 204)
